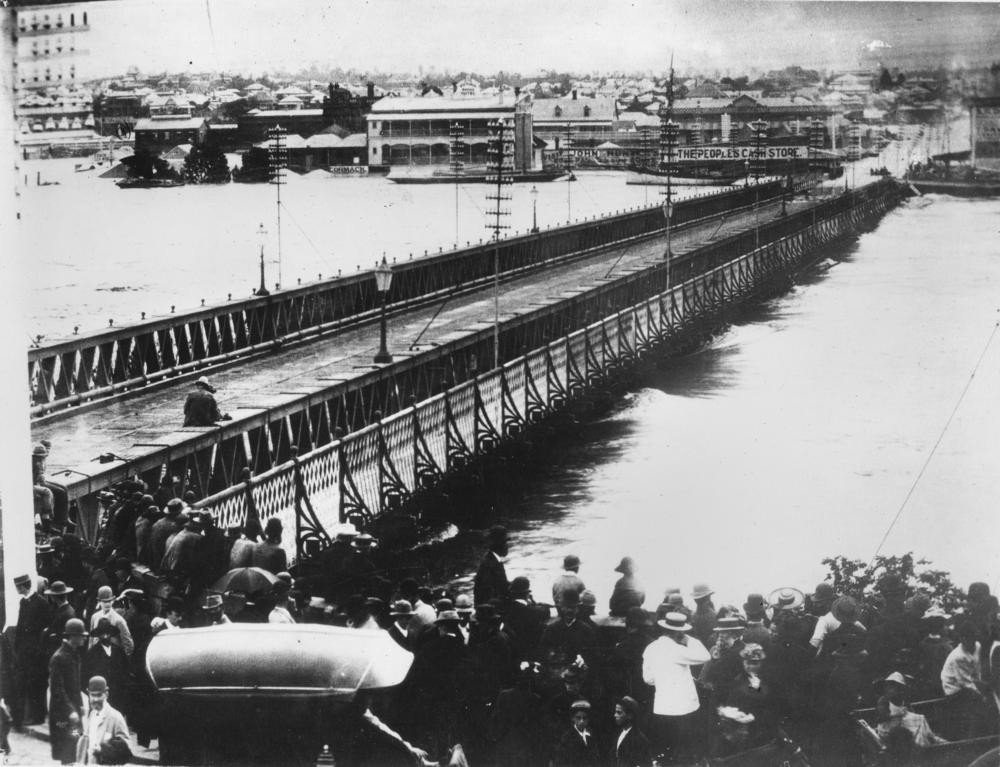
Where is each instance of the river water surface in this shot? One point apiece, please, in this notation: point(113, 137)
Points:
point(796, 435)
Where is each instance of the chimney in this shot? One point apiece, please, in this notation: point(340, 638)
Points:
point(574, 94)
point(371, 90)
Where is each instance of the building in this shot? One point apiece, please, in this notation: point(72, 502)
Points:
point(589, 121)
point(254, 125)
point(417, 130)
point(160, 134)
point(50, 39)
point(721, 120)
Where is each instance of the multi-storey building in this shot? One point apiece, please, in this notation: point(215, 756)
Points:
point(49, 41)
point(418, 130)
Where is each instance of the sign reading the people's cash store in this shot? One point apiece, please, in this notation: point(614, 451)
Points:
point(733, 153)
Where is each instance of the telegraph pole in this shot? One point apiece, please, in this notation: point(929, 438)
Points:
point(277, 162)
point(500, 170)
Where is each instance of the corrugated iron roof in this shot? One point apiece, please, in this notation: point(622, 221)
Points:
point(442, 104)
point(186, 123)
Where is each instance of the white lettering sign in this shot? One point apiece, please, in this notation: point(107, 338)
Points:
point(349, 170)
point(739, 153)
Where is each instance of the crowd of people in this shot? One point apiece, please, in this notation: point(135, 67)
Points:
point(516, 678)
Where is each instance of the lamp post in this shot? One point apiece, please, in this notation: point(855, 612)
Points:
point(746, 167)
point(534, 209)
point(383, 279)
point(262, 290)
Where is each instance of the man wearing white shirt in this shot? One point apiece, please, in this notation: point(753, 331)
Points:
point(666, 665)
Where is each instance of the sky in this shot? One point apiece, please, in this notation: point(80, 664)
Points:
point(528, 36)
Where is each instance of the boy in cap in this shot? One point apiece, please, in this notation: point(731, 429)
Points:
point(631, 747)
point(577, 747)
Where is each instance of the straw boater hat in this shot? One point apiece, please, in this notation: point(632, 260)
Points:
point(203, 382)
point(730, 623)
point(674, 622)
point(786, 598)
point(580, 705)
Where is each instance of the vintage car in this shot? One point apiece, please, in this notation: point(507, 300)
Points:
point(956, 753)
point(265, 693)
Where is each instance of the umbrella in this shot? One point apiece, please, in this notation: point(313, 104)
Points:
point(249, 580)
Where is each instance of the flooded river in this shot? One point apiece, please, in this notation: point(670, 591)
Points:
point(796, 435)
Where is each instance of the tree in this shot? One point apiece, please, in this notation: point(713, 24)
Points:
point(860, 579)
point(885, 81)
point(206, 165)
point(144, 164)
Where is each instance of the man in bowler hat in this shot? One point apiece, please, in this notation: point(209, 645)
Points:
point(65, 699)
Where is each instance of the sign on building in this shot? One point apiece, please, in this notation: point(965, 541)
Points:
point(739, 153)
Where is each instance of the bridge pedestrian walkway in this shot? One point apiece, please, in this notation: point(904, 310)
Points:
point(125, 430)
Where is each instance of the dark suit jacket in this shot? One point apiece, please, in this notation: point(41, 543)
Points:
point(571, 751)
point(33, 617)
point(52, 637)
point(64, 684)
point(491, 580)
point(633, 752)
point(526, 624)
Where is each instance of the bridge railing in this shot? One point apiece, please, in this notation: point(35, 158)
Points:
point(375, 469)
point(98, 364)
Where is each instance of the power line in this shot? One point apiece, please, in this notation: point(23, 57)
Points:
point(937, 443)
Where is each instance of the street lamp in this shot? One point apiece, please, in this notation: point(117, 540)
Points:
point(262, 290)
point(746, 167)
point(383, 279)
point(534, 209)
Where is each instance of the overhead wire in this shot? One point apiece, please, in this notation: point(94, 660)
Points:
point(308, 239)
point(937, 443)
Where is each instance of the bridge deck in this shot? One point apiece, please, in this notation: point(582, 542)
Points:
point(150, 421)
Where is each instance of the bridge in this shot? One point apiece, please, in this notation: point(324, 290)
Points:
point(316, 425)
